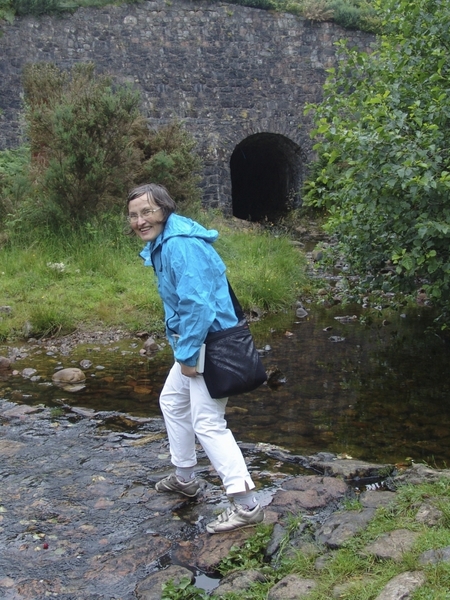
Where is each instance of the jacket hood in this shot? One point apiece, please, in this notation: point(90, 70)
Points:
point(175, 226)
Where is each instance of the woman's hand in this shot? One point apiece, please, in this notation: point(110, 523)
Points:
point(188, 371)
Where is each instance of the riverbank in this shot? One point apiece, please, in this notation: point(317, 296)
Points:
point(79, 517)
point(94, 278)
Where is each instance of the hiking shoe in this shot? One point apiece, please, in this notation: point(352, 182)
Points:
point(235, 517)
point(173, 484)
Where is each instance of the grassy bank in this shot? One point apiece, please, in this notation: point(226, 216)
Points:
point(95, 278)
point(348, 572)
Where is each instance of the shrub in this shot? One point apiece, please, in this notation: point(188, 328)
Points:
point(317, 10)
point(6, 11)
point(14, 181)
point(90, 145)
point(345, 14)
point(37, 8)
point(169, 158)
point(382, 138)
point(82, 133)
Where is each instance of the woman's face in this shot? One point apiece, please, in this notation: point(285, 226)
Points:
point(145, 218)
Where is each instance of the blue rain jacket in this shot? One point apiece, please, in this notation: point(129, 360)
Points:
point(192, 284)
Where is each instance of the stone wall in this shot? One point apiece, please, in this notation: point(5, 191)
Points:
point(228, 72)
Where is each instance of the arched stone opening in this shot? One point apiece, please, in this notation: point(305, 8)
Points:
point(266, 176)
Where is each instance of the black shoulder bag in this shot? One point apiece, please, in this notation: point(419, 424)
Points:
point(232, 362)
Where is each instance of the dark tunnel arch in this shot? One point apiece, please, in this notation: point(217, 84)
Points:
point(266, 176)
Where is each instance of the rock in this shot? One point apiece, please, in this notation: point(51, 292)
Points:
point(83, 412)
point(238, 581)
point(341, 526)
point(29, 372)
point(392, 545)
point(6, 309)
point(419, 473)
point(276, 538)
point(336, 338)
point(150, 346)
point(374, 499)
point(217, 547)
point(5, 363)
point(429, 515)
point(72, 387)
point(85, 363)
point(70, 375)
point(309, 493)
point(20, 411)
point(352, 469)
point(435, 556)
point(402, 586)
point(342, 590)
point(301, 312)
point(150, 588)
point(291, 587)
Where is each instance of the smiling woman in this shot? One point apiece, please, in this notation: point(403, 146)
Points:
point(194, 289)
point(143, 204)
point(144, 223)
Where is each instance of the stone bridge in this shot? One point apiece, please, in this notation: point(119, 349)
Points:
point(237, 77)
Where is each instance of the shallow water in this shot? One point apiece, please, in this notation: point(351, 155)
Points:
point(377, 392)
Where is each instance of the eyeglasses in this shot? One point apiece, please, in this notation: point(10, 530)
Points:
point(147, 212)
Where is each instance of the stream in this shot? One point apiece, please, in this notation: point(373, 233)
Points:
point(344, 380)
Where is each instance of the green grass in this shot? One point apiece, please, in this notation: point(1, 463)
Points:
point(361, 576)
point(96, 279)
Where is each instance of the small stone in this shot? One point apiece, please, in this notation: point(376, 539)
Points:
point(150, 346)
point(70, 375)
point(5, 363)
point(85, 363)
point(29, 372)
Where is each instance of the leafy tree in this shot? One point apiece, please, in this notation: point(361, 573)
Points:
point(383, 169)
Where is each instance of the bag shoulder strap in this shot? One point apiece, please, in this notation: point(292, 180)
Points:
point(237, 307)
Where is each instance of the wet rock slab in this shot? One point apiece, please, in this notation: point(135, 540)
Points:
point(80, 518)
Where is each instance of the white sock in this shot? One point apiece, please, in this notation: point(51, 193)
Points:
point(185, 474)
point(247, 500)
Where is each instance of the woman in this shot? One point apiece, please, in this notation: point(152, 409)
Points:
point(193, 286)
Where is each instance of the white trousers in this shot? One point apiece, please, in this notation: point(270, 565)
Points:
point(189, 411)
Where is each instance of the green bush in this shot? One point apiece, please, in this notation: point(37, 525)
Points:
point(263, 4)
point(346, 15)
point(37, 8)
point(169, 158)
point(90, 145)
point(384, 157)
point(6, 11)
point(14, 181)
point(82, 132)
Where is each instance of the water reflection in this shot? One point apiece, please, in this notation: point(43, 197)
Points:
point(377, 392)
